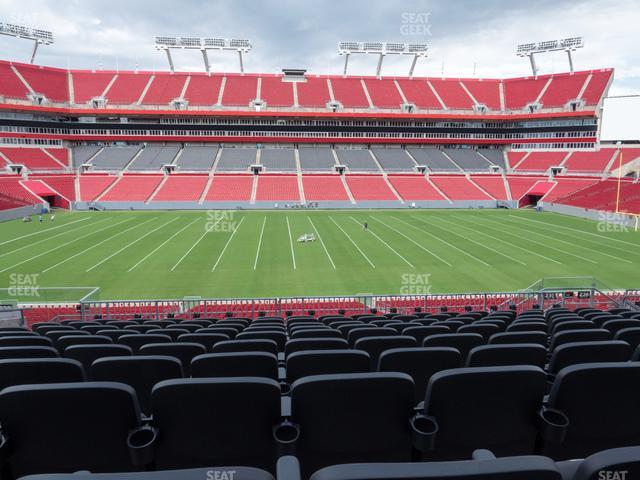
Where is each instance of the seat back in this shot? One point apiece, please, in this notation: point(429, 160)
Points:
point(324, 362)
point(601, 402)
point(39, 370)
point(482, 408)
point(330, 433)
point(66, 427)
point(420, 364)
point(224, 421)
point(139, 372)
point(183, 351)
point(588, 352)
point(87, 354)
point(507, 354)
point(243, 364)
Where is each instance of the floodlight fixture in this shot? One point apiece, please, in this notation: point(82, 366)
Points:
point(204, 44)
point(381, 49)
point(38, 36)
point(569, 44)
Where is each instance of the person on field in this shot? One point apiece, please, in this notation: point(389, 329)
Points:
point(365, 226)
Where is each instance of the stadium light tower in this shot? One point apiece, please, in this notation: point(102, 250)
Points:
point(569, 45)
point(39, 37)
point(204, 45)
point(381, 49)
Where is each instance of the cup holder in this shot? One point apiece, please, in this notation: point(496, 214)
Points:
point(424, 430)
point(286, 434)
point(553, 425)
point(141, 442)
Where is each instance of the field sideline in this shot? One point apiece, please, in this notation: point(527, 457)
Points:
point(161, 254)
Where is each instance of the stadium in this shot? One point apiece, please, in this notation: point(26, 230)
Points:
point(293, 274)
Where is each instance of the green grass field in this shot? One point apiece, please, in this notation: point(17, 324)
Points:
point(135, 255)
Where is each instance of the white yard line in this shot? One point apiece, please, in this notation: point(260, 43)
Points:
point(576, 245)
point(385, 243)
point(228, 242)
point(51, 238)
point(164, 243)
point(207, 230)
point(130, 244)
point(508, 243)
point(354, 243)
point(58, 246)
point(99, 243)
point(43, 231)
point(293, 255)
point(573, 244)
point(545, 245)
point(464, 252)
point(320, 238)
point(255, 264)
point(577, 230)
point(413, 241)
point(509, 257)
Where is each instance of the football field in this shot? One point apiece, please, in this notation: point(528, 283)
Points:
point(161, 254)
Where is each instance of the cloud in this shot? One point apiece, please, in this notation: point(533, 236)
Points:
point(466, 37)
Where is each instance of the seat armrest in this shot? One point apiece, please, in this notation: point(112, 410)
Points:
point(288, 468)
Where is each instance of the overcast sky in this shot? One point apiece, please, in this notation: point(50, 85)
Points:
point(466, 37)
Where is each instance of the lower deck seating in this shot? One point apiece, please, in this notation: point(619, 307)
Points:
point(230, 188)
point(458, 188)
point(14, 194)
point(236, 159)
point(519, 185)
point(92, 186)
point(603, 195)
point(414, 187)
point(132, 188)
point(566, 186)
point(181, 188)
point(357, 160)
point(323, 187)
point(369, 187)
point(278, 188)
point(492, 184)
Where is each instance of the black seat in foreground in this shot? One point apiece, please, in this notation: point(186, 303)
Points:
point(209, 473)
point(609, 464)
point(141, 372)
point(588, 352)
point(509, 468)
point(28, 352)
point(66, 427)
point(183, 351)
point(235, 364)
point(600, 401)
point(301, 344)
point(331, 432)
point(420, 364)
point(325, 362)
point(39, 370)
point(507, 354)
point(87, 354)
point(492, 408)
point(216, 421)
